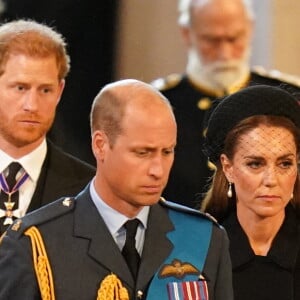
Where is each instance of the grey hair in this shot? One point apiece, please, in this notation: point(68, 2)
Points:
point(185, 7)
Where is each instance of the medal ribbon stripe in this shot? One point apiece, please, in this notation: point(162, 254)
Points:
point(5, 187)
point(189, 290)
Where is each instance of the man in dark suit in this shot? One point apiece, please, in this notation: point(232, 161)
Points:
point(117, 239)
point(217, 34)
point(34, 64)
point(88, 27)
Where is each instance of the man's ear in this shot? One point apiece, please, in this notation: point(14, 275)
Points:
point(61, 87)
point(227, 167)
point(186, 36)
point(100, 144)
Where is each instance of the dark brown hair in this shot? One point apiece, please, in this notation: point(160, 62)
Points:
point(216, 201)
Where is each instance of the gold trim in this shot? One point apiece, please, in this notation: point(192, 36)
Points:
point(41, 264)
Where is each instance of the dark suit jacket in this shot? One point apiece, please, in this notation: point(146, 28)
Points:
point(82, 252)
point(189, 177)
point(61, 175)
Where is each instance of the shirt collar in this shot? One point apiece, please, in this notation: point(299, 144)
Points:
point(113, 219)
point(31, 162)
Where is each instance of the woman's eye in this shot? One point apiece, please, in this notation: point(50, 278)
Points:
point(254, 164)
point(286, 164)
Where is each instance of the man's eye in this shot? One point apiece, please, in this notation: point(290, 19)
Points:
point(169, 151)
point(20, 88)
point(141, 152)
point(46, 90)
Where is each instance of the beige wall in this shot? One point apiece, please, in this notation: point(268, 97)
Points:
point(149, 41)
point(150, 44)
point(286, 36)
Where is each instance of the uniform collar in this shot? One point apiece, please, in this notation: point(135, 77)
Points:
point(112, 218)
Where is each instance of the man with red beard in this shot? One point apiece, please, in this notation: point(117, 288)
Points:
point(33, 67)
point(218, 36)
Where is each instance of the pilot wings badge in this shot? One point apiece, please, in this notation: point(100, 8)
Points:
point(178, 269)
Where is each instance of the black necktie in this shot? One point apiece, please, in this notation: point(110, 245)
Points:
point(5, 199)
point(129, 250)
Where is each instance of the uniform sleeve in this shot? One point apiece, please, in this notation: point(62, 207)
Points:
point(17, 276)
point(218, 266)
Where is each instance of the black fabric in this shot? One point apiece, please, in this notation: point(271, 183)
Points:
point(129, 250)
point(61, 175)
point(274, 276)
point(13, 169)
point(255, 100)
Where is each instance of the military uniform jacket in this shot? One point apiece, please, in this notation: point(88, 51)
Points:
point(190, 174)
point(82, 252)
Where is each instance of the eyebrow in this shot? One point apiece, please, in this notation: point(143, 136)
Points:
point(288, 155)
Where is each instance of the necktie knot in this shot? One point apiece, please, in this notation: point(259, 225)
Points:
point(131, 228)
point(13, 170)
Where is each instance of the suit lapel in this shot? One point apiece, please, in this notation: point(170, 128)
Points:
point(36, 200)
point(89, 224)
point(157, 246)
point(57, 178)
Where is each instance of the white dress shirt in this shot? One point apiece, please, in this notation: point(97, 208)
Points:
point(32, 164)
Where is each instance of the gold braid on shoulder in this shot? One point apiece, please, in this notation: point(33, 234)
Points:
point(41, 264)
point(111, 288)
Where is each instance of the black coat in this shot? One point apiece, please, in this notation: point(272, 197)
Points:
point(190, 173)
point(275, 276)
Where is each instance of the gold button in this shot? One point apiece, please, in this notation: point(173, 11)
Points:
point(204, 103)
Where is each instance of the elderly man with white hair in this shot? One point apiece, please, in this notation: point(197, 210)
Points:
point(218, 37)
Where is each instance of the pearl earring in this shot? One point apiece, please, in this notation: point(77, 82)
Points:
point(229, 192)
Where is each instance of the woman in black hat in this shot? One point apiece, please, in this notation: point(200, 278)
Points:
point(253, 138)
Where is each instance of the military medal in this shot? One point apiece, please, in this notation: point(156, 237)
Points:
point(9, 213)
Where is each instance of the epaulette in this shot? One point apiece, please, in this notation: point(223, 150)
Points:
point(188, 210)
point(41, 215)
point(277, 75)
point(168, 82)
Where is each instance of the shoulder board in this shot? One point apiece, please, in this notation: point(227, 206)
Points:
point(168, 82)
point(188, 210)
point(277, 75)
point(41, 215)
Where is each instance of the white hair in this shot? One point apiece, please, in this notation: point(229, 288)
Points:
point(185, 7)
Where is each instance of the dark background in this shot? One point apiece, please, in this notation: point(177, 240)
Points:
point(89, 28)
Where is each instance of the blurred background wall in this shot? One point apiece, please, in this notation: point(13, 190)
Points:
point(285, 35)
point(149, 44)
